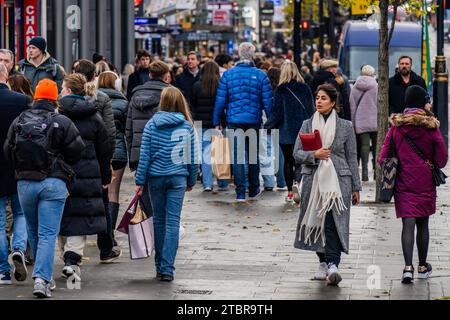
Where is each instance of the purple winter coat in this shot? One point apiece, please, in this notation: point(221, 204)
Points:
point(365, 116)
point(415, 192)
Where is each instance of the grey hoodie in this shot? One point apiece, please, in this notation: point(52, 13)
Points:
point(364, 114)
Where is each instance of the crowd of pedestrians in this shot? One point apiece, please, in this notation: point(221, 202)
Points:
point(69, 137)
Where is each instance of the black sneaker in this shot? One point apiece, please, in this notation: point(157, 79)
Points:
point(115, 254)
point(166, 278)
point(408, 276)
point(424, 272)
point(159, 276)
point(20, 268)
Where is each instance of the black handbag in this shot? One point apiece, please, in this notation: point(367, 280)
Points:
point(438, 175)
point(389, 168)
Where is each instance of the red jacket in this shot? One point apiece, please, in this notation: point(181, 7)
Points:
point(415, 192)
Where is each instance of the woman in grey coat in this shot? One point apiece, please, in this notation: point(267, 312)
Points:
point(331, 183)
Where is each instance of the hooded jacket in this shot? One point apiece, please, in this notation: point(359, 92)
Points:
point(66, 144)
point(397, 91)
point(119, 105)
point(415, 192)
point(364, 114)
point(169, 148)
point(288, 113)
point(48, 69)
point(84, 212)
point(143, 106)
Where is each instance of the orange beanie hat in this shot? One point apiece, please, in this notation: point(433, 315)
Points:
point(47, 90)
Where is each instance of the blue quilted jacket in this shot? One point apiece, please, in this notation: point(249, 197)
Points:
point(168, 149)
point(243, 93)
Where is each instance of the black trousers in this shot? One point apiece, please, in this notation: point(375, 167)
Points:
point(105, 241)
point(289, 164)
point(333, 245)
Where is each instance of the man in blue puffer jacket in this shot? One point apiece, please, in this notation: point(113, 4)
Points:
point(243, 93)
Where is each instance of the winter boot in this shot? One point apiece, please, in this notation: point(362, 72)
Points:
point(114, 209)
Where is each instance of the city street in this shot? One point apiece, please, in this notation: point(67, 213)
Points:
point(245, 251)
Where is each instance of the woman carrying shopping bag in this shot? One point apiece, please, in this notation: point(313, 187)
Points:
point(331, 182)
point(169, 166)
point(415, 192)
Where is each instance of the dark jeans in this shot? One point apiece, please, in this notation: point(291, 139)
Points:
point(105, 241)
point(289, 164)
point(241, 155)
point(333, 245)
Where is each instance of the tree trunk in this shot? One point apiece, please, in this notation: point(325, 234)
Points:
point(383, 87)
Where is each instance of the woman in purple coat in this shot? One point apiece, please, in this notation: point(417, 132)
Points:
point(415, 192)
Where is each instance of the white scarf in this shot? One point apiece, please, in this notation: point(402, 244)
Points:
point(325, 191)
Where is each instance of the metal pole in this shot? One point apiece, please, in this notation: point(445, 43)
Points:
point(59, 21)
point(311, 34)
point(131, 48)
point(101, 26)
point(297, 32)
point(85, 35)
point(321, 29)
point(331, 34)
point(440, 85)
point(117, 34)
point(259, 22)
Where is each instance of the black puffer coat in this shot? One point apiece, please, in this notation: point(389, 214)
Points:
point(103, 104)
point(84, 213)
point(202, 106)
point(143, 106)
point(397, 91)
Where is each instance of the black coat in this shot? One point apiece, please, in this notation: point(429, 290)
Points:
point(66, 144)
point(321, 77)
point(397, 90)
point(185, 82)
point(142, 107)
point(84, 212)
point(137, 79)
point(202, 106)
point(287, 114)
point(12, 105)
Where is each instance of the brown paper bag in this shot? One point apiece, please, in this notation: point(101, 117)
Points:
point(139, 216)
point(221, 157)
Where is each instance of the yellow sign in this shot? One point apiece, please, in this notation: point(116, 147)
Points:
point(361, 7)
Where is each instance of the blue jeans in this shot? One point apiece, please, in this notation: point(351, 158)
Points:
point(43, 205)
point(207, 172)
point(167, 195)
point(266, 161)
point(19, 240)
point(241, 152)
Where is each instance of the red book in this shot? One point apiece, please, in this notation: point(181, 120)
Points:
point(311, 141)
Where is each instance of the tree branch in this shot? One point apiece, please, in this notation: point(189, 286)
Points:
point(391, 31)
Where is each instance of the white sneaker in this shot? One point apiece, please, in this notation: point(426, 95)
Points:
point(333, 275)
point(296, 193)
point(321, 274)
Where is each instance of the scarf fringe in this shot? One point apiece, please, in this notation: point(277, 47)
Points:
point(328, 201)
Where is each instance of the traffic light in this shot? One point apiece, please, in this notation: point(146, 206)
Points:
point(305, 25)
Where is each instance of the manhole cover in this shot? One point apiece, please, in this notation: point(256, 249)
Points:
point(199, 292)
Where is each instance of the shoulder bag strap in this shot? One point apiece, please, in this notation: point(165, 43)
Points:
point(359, 102)
point(417, 150)
point(304, 109)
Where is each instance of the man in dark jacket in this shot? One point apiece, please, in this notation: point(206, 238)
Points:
point(401, 81)
point(190, 75)
point(144, 104)
point(328, 73)
point(13, 104)
point(244, 92)
point(7, 58)
point(40, 65)
point(142, 74)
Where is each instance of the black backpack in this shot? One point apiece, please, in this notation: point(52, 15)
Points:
point(33, 139)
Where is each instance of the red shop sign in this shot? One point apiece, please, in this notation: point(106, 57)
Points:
point(30, 18)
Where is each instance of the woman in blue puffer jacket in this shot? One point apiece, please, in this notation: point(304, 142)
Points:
point(108, 83)
point(168, 164)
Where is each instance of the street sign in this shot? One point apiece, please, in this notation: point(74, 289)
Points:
point(221, 18)
point(30, 21)
point(146, 21)
point(362, 7)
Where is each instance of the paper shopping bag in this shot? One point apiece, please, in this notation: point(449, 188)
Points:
point(221, 157)
point(141, 239)
point(128, 216)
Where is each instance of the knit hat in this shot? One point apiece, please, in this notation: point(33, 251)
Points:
point(46, 90)
point(39, 43)
point(328, 63)
point(416, 97)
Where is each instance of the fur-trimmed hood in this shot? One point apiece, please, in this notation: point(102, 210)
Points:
point(415, 117)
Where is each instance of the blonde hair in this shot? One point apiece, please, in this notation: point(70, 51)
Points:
point(172, 100)
point(101, 67)
point(76, 82)
point(289, 72)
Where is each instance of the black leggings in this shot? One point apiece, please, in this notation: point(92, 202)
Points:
point(289, 164)
point(422, 239)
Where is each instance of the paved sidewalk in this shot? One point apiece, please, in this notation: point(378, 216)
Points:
point(245, 251)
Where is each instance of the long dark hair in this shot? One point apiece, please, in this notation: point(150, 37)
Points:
point(20, 83)
point(332, 93)
point(210, 77)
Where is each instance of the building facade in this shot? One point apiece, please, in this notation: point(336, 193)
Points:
point(74, 29)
